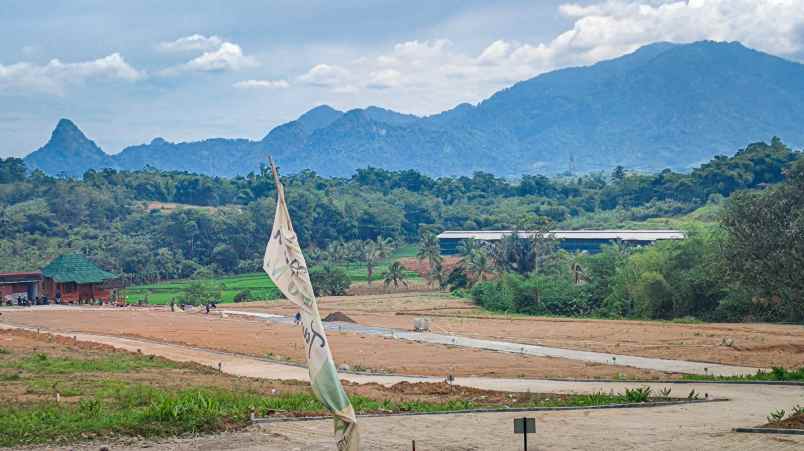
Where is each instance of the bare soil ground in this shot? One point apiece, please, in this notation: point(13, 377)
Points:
point(279, 342)
point(759, 345)
point(699, 426)
point(19, 344)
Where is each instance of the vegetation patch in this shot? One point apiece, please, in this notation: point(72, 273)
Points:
point(780, 419)
point(775, 374)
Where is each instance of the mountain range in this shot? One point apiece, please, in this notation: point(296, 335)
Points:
point(662, 106)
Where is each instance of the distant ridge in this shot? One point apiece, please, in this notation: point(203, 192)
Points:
point(662, 106)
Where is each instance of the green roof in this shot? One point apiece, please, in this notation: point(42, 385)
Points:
point(75, 268)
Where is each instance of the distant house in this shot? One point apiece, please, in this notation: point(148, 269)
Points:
point(75, 278)
point(571, 240)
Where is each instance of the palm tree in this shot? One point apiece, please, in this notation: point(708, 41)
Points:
point(395, 275)
point(468, 247)
point(430, 250)
point(375, 251)
point(437, 274)
point(479, 264)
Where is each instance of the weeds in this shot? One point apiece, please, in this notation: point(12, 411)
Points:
point(639, 394)
point(42, 364)
point(776, 374)
point(776, 416)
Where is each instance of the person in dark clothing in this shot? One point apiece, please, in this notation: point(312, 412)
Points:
point(297, 318)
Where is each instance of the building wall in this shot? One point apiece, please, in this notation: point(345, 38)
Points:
point(449, 246)
point(72, 292)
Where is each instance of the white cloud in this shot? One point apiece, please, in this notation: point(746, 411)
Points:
point(56, 75)
point(192, 42)
point(227, 57)
point(384, 79)
point(326, 76)
point(433, 75)
point(262, 84)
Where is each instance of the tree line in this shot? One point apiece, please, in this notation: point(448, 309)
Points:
point(221, 224)
point(746, 266)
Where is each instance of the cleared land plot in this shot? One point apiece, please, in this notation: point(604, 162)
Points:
point(262, 339)
point(57, 390)
point(757, 345)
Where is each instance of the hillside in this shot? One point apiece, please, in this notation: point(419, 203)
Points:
point(665, 105)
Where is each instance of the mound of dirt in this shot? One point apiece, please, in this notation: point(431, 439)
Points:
point(793, 422)
point(338, 316)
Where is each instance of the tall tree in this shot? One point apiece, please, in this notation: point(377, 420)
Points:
point(429, 250)
point(374, 251)
point(765, 246)
point(395, 275)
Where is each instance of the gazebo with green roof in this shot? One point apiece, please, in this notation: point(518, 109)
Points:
point(73, 278)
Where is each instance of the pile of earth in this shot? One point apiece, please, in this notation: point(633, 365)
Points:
point(339, 317)
point(793, 422)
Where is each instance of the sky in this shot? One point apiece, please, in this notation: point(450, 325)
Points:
point(127, 72)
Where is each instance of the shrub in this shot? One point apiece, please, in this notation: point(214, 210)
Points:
point(329, 280)
point(534, 295)
point(457, 278)
point(243, 296)
point(653, 296)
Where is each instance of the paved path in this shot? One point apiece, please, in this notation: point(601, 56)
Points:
point(666, 365)
point(699, 426)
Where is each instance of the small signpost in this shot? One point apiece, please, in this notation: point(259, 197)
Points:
point(525, 426)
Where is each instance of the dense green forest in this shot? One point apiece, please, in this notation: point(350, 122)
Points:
point(223, 223)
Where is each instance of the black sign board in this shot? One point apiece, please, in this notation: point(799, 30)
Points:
point(524, 425)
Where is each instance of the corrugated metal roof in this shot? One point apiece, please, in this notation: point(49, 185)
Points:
point(624, 235)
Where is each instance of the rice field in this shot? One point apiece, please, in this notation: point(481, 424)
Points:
point(258, 285)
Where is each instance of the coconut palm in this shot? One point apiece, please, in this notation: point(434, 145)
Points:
point(479, 264)
point(375, 251)
point(437, 274)
point(395, 275)
point(429, 250)
point(468, 247)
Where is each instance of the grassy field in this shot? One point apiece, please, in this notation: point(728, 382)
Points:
point(58, 391)
point(258, 284)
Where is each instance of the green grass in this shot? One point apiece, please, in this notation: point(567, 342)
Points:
point(258, 284)
point(775, 374)
point(115, 406)
point(119, 408)
point(123, 363)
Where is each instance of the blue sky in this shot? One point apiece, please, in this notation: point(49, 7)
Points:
point(127, 72)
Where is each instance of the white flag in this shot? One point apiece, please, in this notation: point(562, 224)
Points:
point(285, 265)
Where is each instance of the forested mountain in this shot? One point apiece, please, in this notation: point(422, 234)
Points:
point(663, 106)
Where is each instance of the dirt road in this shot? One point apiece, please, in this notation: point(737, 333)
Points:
point(282, 342)
point(759, 345)
point(645, 363)
point(699, 426)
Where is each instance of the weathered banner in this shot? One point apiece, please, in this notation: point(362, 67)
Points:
point(285, 265)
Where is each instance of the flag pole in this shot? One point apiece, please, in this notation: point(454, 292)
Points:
point(285, 264)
